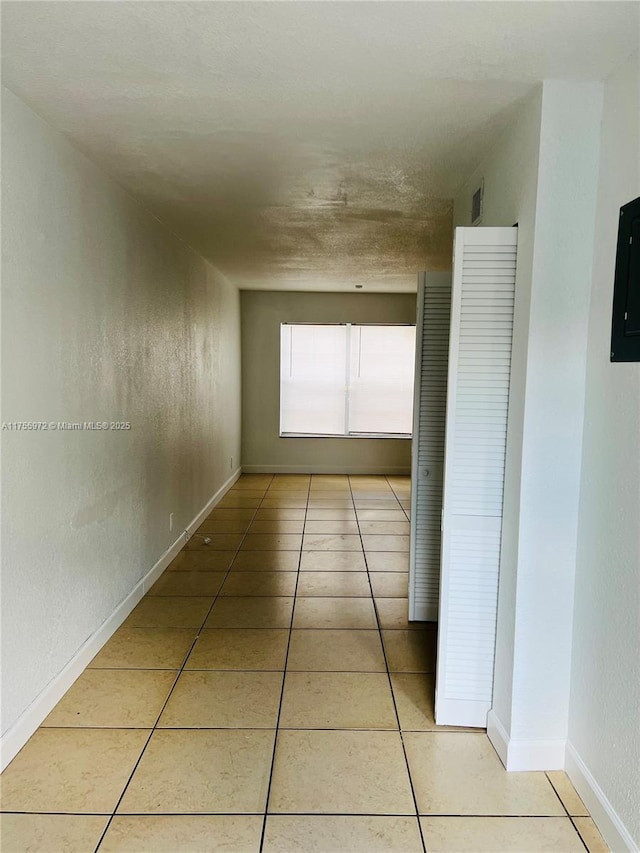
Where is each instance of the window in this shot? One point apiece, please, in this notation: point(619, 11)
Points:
point(347, 380)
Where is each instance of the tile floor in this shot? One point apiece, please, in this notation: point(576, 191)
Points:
point(269, 694)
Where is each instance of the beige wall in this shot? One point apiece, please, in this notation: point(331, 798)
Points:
point(107, 316)
point(262, 448)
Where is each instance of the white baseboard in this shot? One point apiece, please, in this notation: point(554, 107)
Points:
point(518, 755)
point(536, 754)
point(370, 470)
point(603, 813)
point(152, 576)
point(498, 736)
point(19, 733)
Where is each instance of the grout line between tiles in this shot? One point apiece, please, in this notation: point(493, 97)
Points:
point(577, 829)
point(569, 815)
point(238, 728)
point(393, 698)
point(557, 793)
point(178, 671)
point(271, 728)
point(307, 814)
point(284, 678)
point(175, 681)
point(217, 669)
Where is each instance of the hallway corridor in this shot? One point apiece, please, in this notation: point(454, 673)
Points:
point(268, 693)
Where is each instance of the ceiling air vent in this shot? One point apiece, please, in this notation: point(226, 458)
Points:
point(476, 205)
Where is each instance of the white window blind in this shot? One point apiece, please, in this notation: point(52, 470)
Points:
point(312, 379)
point(381, 383)
point(346, 379)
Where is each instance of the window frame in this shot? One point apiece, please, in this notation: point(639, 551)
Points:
point(346, 435)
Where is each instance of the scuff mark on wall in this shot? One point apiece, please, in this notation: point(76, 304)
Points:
point(102, 508)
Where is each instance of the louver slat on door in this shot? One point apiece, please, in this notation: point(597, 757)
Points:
point(432, 348)
point(476, 431)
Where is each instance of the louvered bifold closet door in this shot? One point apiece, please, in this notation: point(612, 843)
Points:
point(476, 432)
point(427, 452)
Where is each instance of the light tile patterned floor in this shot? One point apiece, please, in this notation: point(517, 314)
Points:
point(269, 694)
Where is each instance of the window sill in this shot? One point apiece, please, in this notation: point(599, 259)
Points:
point(395, 435)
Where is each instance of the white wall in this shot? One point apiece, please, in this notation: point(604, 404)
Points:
point(262, 447)
point(510, 190)
point(106, 317)
point(533, 653)
point(604, 720)
point(554, 405)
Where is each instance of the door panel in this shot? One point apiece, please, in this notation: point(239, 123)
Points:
point(479, 360)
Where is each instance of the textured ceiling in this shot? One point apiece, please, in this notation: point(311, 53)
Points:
point(305, 145)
